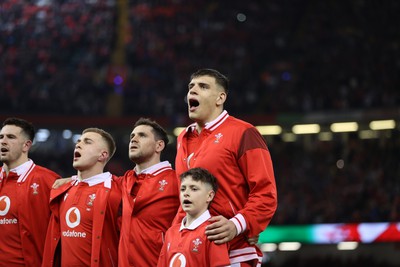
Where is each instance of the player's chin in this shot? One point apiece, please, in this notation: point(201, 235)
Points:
point(186, 208)
point(193, 115)
point(76, 164)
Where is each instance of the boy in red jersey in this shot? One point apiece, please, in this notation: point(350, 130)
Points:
point(24, 197)
point(186, 244)
point(236, 153)
point(83, 230)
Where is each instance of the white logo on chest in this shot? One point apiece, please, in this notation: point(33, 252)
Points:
point(73, 217)
point(218, 138)
point(5, 204)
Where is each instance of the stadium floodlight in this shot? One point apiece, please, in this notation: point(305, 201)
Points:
point(289, 246)
point(268, 247)
point(382, 125)
point(75, 138)
point(347, 245)
point(306, 128)
point(42, 135)
point(67, 134)
point(269, 129)
point(340, 127)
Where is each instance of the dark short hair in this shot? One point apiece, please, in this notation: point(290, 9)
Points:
point(220, 79)
point(27, 127)
point(202, 175)
point(158, 131)
point(106, 136)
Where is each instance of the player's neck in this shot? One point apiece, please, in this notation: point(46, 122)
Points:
point(190, 218)
point(146, 164)
point(201, 124)
point(12, 165)
point(87, 173)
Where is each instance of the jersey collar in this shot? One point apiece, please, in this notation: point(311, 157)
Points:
point(196, 223)
point(22, 170)
point(156, 168)
point(104, 177)
point(212, 125)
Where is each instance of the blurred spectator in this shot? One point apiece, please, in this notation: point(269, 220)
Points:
point(284, 57)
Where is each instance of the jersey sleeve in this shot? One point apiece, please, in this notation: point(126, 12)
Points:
point(218, 255)
point(256, 164)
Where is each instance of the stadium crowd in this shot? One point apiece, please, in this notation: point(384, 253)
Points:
point(297, 57)
point(50, 54)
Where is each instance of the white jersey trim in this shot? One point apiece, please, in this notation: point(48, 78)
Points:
point(243, 255)
point(240, 223)
point(156, 169)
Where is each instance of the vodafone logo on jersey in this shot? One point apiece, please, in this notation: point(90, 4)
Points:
point(5, 204)
point(178, 260)
point(73, 217)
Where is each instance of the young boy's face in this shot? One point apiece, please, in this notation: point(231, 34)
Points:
point(195, 196)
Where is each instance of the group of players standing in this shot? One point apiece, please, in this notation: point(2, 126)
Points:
point(147, 217)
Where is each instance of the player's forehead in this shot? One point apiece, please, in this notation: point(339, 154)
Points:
point(142, 129)
point(188, 180)
point(205, 79)
point(91, 136)
point(11, 129)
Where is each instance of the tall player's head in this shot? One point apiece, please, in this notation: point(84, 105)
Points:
point(207, 93)
point(16, 138)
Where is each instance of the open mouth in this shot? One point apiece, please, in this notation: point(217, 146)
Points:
point(193, 103)
point(77, 154)
point(186, 201)
point(3, 149)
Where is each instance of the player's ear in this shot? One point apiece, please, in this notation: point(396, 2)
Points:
point(27, 145)
point(210, 196)
point(221, 98)
point(103, 156)
point(160, 145)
